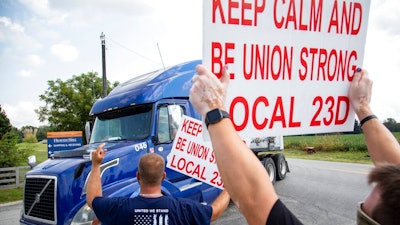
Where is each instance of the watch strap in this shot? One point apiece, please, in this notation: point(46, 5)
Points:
point(215, 115)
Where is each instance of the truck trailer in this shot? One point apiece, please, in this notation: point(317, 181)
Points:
point(139, 116)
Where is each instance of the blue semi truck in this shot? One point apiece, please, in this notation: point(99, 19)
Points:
point(139, 116)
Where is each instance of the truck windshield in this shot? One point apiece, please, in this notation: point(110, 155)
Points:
point(131, 123)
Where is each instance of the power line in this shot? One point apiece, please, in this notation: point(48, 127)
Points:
point(130, 50)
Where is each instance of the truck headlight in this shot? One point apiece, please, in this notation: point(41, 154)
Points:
point(84, 216)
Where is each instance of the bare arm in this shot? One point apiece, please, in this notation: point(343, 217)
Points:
point(382, 145)
point(244, 177)
point(220, 204)
point(94, 188)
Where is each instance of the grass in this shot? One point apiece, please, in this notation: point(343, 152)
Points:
point(334, 156)
point(11, 195)
point(15, 194)
point(40, 151)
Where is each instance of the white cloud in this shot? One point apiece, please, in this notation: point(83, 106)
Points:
point(24, 73)
point(35, 60)
point(10, 25)
point(42, 9)
point(65, 52)
point(386, 16)
point(22, 114)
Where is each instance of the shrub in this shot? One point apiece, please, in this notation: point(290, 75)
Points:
point(11, 155)
point(30, 138)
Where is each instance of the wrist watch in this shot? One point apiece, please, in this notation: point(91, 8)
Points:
point(215, 115)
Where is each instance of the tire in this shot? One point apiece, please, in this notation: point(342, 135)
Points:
point(271, 169)
point(281, 166)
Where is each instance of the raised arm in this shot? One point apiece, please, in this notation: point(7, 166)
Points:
point(382, 145)
point(94, 181)
point(244, 177)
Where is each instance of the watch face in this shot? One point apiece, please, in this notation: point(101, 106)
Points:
point(214, 116)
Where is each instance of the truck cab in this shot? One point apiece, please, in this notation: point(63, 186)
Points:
point(139, 116)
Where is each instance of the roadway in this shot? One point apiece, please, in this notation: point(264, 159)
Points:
point(318, 192)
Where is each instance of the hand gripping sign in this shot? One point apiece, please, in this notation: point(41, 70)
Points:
point(290, 62)
point(193, 156)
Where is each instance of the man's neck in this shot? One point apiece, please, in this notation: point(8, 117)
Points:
point(150, 195)
point(150, 192)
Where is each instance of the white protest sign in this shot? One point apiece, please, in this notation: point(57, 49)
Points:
point(290, 62)
point(193, 156)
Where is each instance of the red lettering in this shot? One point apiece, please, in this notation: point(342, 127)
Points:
point(235, 101)
point(246, 6)
point(232, 5)
point(316, 16)
point(291, 15)
point(191, 127)
point(184, 125)
point(216, 5)
point(278, 113)
point(354, 29)
point(242, 7)
point(330, 102)
point(189, 167)
point(261, 61)
point(190, 163)
point(220, 56)
point(294, 15)
point(332, 65)
point(278, 23)
point(331, 109)
point(350, 20)
point(258, 9)
point(180, 143)
point(216, 180)
point(264, 123)
point(212, 158)
point(342, 100)
point(291, 113)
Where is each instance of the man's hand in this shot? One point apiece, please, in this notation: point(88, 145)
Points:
point(94, 182)
point(360, 92)
point(208, 92)
point(98, 155)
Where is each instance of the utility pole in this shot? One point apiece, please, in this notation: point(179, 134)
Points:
point(103, 52)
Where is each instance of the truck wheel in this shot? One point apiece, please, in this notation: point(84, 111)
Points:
point(270, 167)
point(281, 166)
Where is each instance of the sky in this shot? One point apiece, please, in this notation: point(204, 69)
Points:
point(42, 40)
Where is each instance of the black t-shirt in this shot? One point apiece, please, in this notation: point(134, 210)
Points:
point(281, 215)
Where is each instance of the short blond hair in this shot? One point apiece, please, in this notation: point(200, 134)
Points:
point(151, 169)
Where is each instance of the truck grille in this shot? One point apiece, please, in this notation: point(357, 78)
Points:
point(40, 198)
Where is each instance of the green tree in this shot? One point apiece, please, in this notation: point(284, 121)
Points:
point(68, 103)
point(5, 125)
point(12, 155)
point(357, 128)
point(42, 132)
point(19, 134)
point(390, 124)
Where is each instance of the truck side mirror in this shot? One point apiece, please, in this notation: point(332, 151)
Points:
point(32, 161)
point(88, 132)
